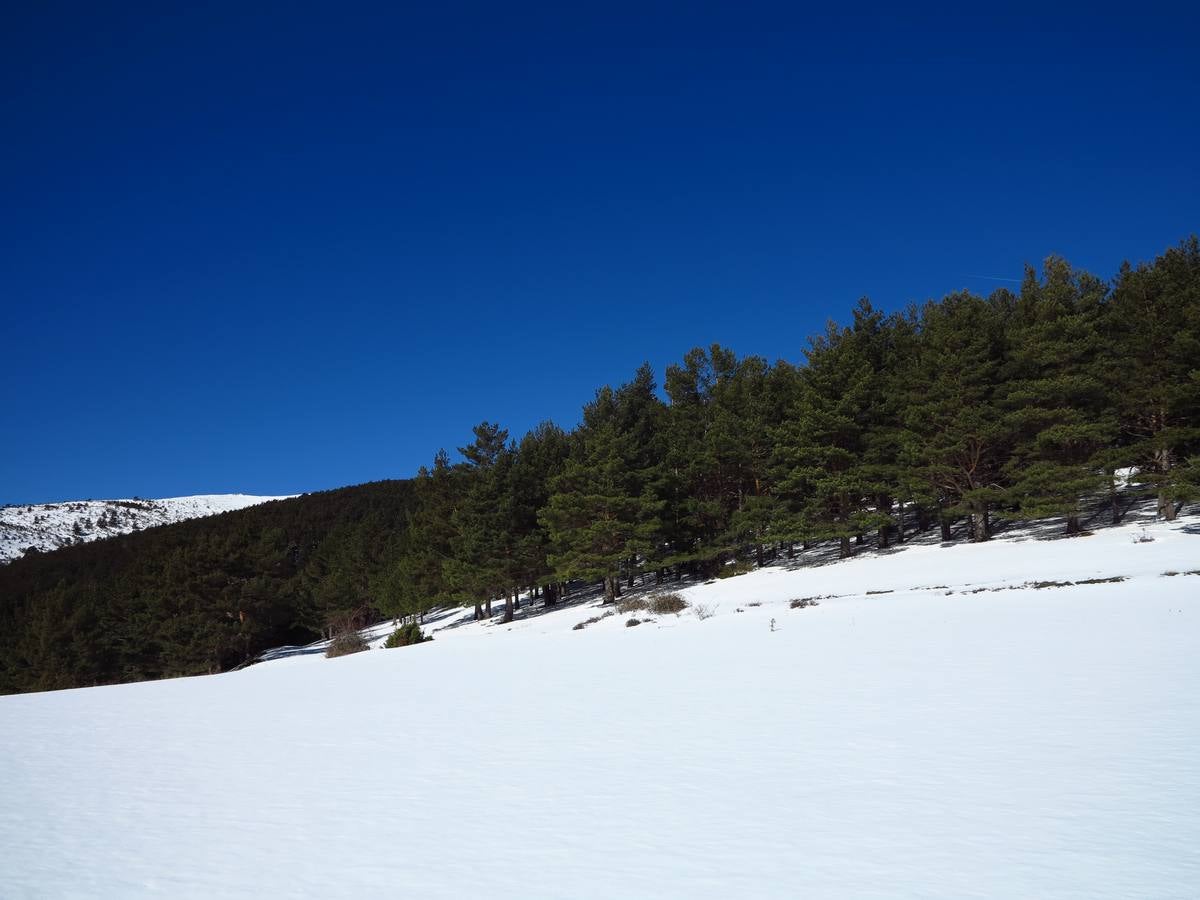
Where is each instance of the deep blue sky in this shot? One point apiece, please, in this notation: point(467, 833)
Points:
point(294, 247)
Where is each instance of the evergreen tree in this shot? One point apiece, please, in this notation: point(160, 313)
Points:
point(1156, 326)
point(540, 458)
point(1054, 393)
point(602, 512)
point(821, 446)
point(482, 549)
point(955, 433)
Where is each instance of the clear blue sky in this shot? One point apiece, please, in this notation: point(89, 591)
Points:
point(281, 248)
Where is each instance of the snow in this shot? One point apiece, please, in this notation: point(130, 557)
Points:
point(966, 735)
point(48, 526)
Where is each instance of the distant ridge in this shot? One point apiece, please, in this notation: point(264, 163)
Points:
point(48, 526)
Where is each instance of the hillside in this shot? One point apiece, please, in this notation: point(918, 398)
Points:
point(49, 526)
point(1011, 718)
point(197, 596)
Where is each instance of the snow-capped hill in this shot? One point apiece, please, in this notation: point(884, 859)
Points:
point(48, 526)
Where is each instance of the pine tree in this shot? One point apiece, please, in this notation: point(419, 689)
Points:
point(1156, 327)
point(821, 446)
point(415, 581)
point(480, 568)
point(955, 433)
point(717, 455)
point(602, 512)
point(540, 457)
point(1054, 393)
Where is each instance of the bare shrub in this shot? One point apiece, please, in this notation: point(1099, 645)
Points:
point(579, 626)
point(632, 622)
point(346, 643)
point(661, 604)
point(803, 603)
point(704, 610)
point(633, 604)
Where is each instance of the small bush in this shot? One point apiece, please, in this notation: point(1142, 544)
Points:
point(346, 643)
point(633, 622)
point(736, 568)
point(704, 611)
point(579, 626)
point(661, 604)
point(405, 635)
point(804, 603)
point(633, 604)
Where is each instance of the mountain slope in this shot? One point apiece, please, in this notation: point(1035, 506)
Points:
point(194, 597)
point(984, 730)
point(49, 526)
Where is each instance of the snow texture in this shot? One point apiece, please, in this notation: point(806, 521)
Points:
point(48, 526)
point(983, 730)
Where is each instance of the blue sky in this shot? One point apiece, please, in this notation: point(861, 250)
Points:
point(279, 248)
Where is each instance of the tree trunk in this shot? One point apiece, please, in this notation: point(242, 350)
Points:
point(478, 612)
point(488, 607)
point(791, 551)
point(844, 548)
point(550, 595)
point(508, 607)
point(945, 529)
point(758, 555)
point(979, 522)
point(610, 589)
point(1073, 525)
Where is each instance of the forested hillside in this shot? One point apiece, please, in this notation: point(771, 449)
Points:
point(198, 596)
point(1019, 405)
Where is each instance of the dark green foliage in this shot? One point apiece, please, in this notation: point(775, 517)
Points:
point(404, 636)
point(602, 512)
point(1059, 414)
point(195, 597)
point(1155, 329)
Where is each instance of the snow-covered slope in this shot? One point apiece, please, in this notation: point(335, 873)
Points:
point(48, 526)
point(945, 722)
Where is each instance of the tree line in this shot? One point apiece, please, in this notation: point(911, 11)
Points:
point(1022, 404)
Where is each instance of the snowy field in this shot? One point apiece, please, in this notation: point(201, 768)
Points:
point(48, 526)
point(967, 734)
